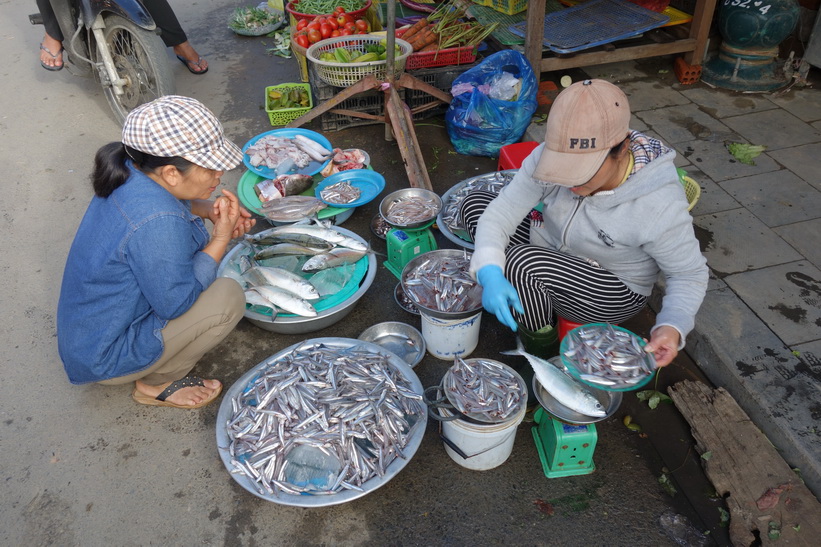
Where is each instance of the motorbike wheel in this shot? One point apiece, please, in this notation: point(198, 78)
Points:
point(141, 59)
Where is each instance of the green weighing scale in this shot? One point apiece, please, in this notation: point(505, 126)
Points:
point(566, 439)
point(407, 240)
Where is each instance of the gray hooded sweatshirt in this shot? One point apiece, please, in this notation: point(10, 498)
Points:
point(635, 231)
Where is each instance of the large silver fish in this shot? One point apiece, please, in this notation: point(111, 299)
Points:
point(561, 385)
point(282, 278)
point(292, 249)
point(308, 233)
point(285, 300)
point(331, 259)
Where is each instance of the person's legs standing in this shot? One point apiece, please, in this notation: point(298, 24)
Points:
point(174, 36)
point(51, 48)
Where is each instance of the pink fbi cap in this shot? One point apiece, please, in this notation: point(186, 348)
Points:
point(586, 120)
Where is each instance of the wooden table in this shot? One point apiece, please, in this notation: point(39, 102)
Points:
point(692, 45)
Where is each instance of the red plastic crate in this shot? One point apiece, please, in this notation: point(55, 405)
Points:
point(511, 156)
point(442, 57)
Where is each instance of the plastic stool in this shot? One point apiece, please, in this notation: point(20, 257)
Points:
point(564, 449)
point(511, 156)
point(566, 325)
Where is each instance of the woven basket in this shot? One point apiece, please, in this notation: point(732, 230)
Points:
point(347, 74)
point(692, 190)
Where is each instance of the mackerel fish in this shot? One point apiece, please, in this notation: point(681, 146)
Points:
point(561, 386)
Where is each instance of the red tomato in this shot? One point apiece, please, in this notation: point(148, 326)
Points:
point(345, 32)
point(335, 33)
point(340, 20)
point(302, 41)
point(325, 30)
point(350, 26)
point(362, 25)
point(313, 25)
point(339, 9)
point(314, 36)
point(332, 21)
point(302, 24)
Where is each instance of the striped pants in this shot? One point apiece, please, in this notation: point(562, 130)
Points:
point(551, 283)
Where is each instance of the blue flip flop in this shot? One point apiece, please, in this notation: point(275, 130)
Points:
point(188, 64)
point(53, 68)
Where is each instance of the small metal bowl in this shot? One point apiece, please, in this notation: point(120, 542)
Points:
point(380, 227)
point(610, 400)
point(405, 194)
point(404, 300)
point(399, 338)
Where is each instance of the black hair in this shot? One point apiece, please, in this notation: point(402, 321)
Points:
point(616, 150)
point(110, 170)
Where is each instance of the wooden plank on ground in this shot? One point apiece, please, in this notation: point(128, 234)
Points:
point(768, 502)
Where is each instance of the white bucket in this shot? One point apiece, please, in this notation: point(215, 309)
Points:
point(486, 445)
point(450, 338)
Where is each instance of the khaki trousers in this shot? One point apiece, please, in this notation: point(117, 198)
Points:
point(188, 337)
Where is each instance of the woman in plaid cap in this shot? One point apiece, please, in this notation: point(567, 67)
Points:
point(614, 217)
point(140, 301)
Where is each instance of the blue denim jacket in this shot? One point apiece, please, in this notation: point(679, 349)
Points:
point(135, 263)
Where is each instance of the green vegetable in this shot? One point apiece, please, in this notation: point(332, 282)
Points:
point(252, 18)
point(745, 153)
point(322, 7)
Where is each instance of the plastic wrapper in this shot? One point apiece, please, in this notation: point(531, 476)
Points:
point(477, 123)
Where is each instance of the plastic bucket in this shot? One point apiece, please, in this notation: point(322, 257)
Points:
point(450, 338)
point(482, 446)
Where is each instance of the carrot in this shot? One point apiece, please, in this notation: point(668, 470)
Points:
point(416, 27)
point(419, 33)
point(429, 37)
point(430, 47)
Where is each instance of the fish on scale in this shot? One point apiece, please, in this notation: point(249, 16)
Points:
point(349, 403)
point(444, 284)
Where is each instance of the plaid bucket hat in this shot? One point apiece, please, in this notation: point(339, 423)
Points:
point(176, 126)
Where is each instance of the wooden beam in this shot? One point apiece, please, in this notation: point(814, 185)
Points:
point(700, 30)
point(534, 33)
point(619, 54)
point(402, 124)
point(763, 494)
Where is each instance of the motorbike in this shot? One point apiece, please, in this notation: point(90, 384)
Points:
point(118, 43)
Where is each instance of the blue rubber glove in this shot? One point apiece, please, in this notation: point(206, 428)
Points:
point(498, 295)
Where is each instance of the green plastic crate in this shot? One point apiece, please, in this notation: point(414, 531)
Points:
point(284, 116)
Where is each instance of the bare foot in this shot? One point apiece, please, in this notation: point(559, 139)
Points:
point(51, 52)
point(186, 52)
point(187, 396)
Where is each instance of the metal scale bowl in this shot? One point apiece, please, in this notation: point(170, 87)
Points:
point(406, 241)
point(564, 438)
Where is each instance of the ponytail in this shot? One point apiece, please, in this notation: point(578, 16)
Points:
point(110, 170)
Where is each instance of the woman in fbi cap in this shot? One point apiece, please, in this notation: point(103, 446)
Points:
point(614, 216)
point(140, 301)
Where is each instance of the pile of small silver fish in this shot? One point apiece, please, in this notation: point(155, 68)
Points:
point(341, 192)
point(279, 289)
point(485, 390)
point(608, 357)
point(443, 283)
point(411, 210)
point(350, 403)
point(490, 182)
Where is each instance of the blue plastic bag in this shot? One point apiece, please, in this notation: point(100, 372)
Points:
point(479, 125)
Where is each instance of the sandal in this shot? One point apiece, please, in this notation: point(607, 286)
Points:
point(173, 387)
point(198, 64)
point(52, 68)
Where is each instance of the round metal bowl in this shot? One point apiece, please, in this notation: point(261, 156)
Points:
point(400, 338)
point(478, 417)
point(300, 325)
point(610, 400)
point(405, 194)
point(417, 430)
point(441, 254)
point(452, 199)
point(404, 300)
